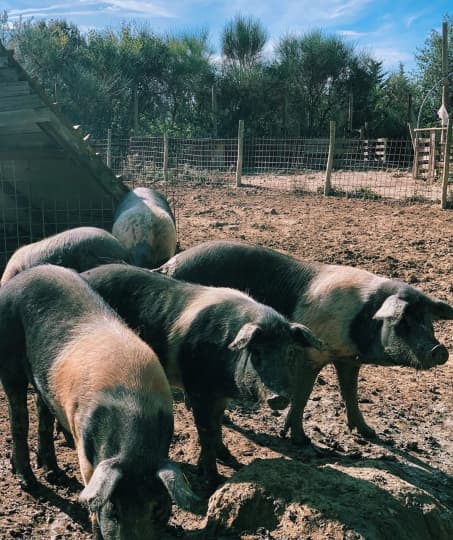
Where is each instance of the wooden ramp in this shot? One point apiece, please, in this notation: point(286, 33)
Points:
point(50, 178)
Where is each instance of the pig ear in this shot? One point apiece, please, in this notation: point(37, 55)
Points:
point(101, 485)
point(441, 310)
point(303, 336)
point(178, 487)
point(246, 335)
point(393, 307)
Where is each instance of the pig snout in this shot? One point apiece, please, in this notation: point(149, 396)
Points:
point(438, 355)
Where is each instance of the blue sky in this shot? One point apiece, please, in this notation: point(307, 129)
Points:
point(390, 30)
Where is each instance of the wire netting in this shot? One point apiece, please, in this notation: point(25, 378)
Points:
point(370, 169)
point(26, 218)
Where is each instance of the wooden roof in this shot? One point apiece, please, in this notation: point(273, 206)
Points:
point(49, 156)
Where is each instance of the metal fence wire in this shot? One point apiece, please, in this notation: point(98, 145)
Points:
point(25, 218)
point(370, 169)
point(380, 169)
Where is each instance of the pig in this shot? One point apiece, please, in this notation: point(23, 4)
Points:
point(362, 318)
point(214, 343)
point(104, 385)
point(80, 249)
point(145, 225)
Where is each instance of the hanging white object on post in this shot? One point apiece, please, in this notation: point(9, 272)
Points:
point(442, 113)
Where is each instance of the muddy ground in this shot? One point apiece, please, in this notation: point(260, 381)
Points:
point(411, 411)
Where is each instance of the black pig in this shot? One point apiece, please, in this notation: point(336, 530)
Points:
point(145, 225)
point(214, 342)
point(104, 385)
point(361, 317)
point(80, 249)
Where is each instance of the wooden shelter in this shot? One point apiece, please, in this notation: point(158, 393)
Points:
point(50, 178)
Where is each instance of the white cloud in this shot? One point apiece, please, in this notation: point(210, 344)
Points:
point(133, 8)
point(140, 8)
point(391, 56)
point(346, 9)
point(352, 34)
point(412, 18)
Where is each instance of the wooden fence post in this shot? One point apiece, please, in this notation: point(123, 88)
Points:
point(415, 171)
point(432, 156)
point(109, 148)
point(445, 172)
point(327, 183)
point(240, 153)
point(165, 160)
point(384, 149)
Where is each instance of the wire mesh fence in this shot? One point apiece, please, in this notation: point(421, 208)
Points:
point(25, 218)
point(371, 169)
point(379, 169)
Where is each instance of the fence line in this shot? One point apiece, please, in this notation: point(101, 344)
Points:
point(367, 168)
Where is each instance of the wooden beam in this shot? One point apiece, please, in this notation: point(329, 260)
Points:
point(24, 141)
point(8, 74)
point(15, 130)
point(17, 88)
point(59, 130)
point(24, 117)
point(14, 103)
point(26, 154)
point(82, 154)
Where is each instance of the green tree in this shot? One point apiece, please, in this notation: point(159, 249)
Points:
point(392, 112)
point(427, 76)
point(243, 40)
point(317, 72)
point(186, 84)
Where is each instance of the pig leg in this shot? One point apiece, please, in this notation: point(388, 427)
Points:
point(16, 392)
point(223, 454)
point(208, 422)
point(305, 379)
point(46, 447)
point(348, 376)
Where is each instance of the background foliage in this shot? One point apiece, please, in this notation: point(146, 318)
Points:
point(137, 81)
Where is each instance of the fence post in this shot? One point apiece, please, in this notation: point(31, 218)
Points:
point(327, 184)
point(240, 153)
point(384, 149)
point(109, 148)
point(165, 160)
point(432, 156)
point(445, 172)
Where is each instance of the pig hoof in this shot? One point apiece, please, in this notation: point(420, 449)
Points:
point(365, 431)
point(55, 476)
point(28, 482)
point(213, 482)
point(226, 458)
point(277, 403)
point(301, 439)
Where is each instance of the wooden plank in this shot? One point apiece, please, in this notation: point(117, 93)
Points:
point(24, 117)
point(58, 129)
point(18, 88)
point(14, 103)
point(83, 155)
point(22, 130)
point(25, 140)
point(30, 154)
point(8, 75)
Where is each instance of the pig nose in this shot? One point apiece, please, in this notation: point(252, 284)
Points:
point(439, 354)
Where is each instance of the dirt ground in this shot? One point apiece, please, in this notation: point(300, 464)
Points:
point(411, 411)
